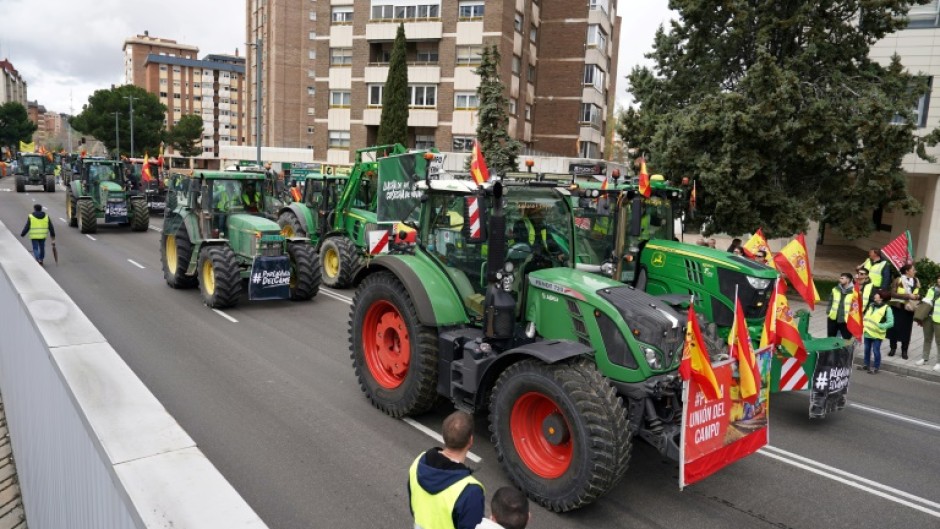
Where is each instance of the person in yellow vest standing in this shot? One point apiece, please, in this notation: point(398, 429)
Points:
point(878, 269)
point(931, 327)
point(840, 304)
point(877, 320)
point(442, 492)
point(903, 289)
point(38, 226)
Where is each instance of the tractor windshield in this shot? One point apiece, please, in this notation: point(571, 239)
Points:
point(657, 221)
point(101, 173)
point(32, 161)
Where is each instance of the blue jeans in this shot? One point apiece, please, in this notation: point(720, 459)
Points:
point(873, 345)
point(39, 249)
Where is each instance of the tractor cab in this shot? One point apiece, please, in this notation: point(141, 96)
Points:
point(96, 174)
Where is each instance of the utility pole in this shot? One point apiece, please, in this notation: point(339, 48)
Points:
point(258, 98)
point(117, 134)
point(131, 100)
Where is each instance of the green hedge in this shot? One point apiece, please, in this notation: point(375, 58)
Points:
point(927, 272)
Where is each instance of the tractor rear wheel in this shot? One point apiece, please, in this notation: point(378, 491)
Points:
point(20, 184)
point(394, 356)
point(219, 279)
point(339, 261)
point(71, 209)
point(560, 431)
point(87, 217)
point(290, 225)
point(50, 184)
point(175, 253)
point(304, 271)
point(140, 215)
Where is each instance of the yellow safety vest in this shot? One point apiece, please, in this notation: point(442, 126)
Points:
point(932, 298)
point(38, 228)
point(901, 290)
point(875, 271)
point(531, 229)
point(435, 511)
point(846, 303)
point(873, 317)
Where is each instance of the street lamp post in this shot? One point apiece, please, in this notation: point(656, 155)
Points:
point(131, 100)
point(257, 46)
point(117, 134)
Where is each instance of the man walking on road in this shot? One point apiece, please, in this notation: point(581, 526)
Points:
point(442, 493)
point(38, 226)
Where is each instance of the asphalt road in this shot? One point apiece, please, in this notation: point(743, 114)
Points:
point(273, 402)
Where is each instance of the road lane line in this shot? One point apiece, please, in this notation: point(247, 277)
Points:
point(90, 237)
point(437, 437)
point(135, 263)
point(63, 220)
point(852, 480)
point(897, 416)
point(224, 315)
point(156, 229)
point(337, 296)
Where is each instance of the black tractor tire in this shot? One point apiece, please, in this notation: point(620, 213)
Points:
point(339, 261)
point(219, 279)
point(304, 271)
point(20, 184)
point(590, 425)
point(290, 225)
point(50, 184)
point(87, 217)
point(71, 209)
point(396, 381)
point(175, 272)
point(140, 215)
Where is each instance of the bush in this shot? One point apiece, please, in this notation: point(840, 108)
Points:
point(927, 272)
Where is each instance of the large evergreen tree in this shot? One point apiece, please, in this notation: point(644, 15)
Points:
point(97, 118)
point(778, 111)
point(186, 136)
point(393, 126)
point(15, 126)
point(499, 149)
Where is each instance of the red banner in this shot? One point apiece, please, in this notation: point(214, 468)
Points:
point(719, 432)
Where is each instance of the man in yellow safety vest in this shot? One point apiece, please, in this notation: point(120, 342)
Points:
point(840, 304)
point(38, 227)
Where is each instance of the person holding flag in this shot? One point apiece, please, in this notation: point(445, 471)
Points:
point(756, 248)
point(840, 306)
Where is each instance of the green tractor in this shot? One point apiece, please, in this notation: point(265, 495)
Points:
point(215, 236)
point(632, 238)
point(338, 211)
point(491, 313)
point(34, 169)
point(101, 191)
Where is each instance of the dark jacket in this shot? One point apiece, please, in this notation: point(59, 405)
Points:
point(39, 215)
point(436, 473)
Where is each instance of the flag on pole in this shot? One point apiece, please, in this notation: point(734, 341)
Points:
point(693, 200)
point(786, 330)
point(478, 167)
point(739, 341)
point(160, 155)
point(695, 361)
point(756, 243)
point(793, 262)
point(768, 335)
point(899, 250)
point(645, 189)
point(145, 174)
point(853, 320)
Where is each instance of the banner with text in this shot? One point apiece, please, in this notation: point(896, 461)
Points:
point(269, 279)
point(398, 195)
point(830, 382)
point(719, 432)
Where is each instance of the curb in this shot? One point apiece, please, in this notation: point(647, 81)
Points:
point(908, 371)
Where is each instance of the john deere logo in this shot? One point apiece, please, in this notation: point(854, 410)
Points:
point(659, 260)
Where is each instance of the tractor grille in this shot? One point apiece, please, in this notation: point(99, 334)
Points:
point(270, 246)
point(693, 271)
point(651, 321)
point(577, 321)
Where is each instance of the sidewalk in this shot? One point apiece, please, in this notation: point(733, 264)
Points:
point(12, 515)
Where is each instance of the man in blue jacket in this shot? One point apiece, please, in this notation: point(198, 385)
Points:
point(441, 490)
point(38, 226)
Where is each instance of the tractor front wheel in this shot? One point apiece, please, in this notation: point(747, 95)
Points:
point(175, 253)
point(394, 356)
point(290, 225)
point(304, 271)
point(70, 209)
point(339, 261)
point(87, 217)
point(50, 184)
point(140, 215)
point(560, 432)
point(20, 184)
point(219, 279)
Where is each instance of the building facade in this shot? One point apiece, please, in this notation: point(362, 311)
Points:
point(12, 86)
point(323, 88)
point(211, 87)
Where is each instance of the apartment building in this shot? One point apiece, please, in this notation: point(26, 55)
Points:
point(322, 86)
point(12, 86)
point(211, 87)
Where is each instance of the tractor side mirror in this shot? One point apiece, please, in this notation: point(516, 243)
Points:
point(474, 219)
point(636, 216)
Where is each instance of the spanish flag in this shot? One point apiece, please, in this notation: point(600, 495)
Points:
point(793, 262)
point(645, 189)
point(780, 328)
point(478, 165)
point(758, 242)
point(695, 361)
point(160, 155)
point(145, 173)
point(739, 342)
point(853, 320)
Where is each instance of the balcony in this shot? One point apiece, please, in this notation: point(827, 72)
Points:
point(386, 29)
point(423, 73)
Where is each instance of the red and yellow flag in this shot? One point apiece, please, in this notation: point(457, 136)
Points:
point(604, 184)
point(160, 155)
point(786, 330)
point(739, 342)
point(145, 173)
point(756, 243)
point(793, 262)
point(695, 361)
point(478, 167)
point(645, 189)
point(853, 320)
point(768, 335)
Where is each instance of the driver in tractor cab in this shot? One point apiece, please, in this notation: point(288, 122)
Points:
point(251, 198)
point(221, 203)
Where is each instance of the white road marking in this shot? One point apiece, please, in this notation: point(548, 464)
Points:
point(872, 487)
point(156, 229)
point(63, 220)
point(135, 263)
point(336, 295)
point(437, 437)
point(897, 416)
point(90, 237)
point(224, 315)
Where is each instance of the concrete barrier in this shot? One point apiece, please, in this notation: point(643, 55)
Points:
point(94, 448)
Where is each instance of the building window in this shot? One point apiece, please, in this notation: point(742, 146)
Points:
point(516, 64)
point(424, 139)
point(422, 96)
point(339, 99)
point(923, 104)
point(406, 12)
point(531, 73)
point(533, 33)
point(162, 67)
point(383, 12)
point(176, 69)
point(339, 139)
point(466, 101)
point(162, 94)
point(528, 112)
point(469, 55)
point(340, 56)
point(594, 76)
point(313, 15)
point(427, 54)
point(599, 4)
point(311, 74)
point(589, 149)
point(312, 54)
point(342, 15)
point(309, 130)
point(463, 143)
point(162, 82)
point(312, 35)
point(311, 91)
point(470, 10)
point(517, 22)
point(176, 84)
point(310, 111)
point(512, 106)
point(591, 115)
point(596, 37)
point(375, 95)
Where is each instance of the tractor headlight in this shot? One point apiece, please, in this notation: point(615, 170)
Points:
point(758, 283)
point(608, 269)
point(651, 357)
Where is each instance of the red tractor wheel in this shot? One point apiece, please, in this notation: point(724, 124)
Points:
point(541, 435)
point(387, 344)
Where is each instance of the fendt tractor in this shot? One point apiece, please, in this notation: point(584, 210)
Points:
point(34, 169)
point(215, 236)
point(629, 237)
point(492, 314)
point(100, 190)
point(338, 211)
point(152, 185)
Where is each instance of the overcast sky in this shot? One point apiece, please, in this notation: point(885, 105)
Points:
point(67, 49)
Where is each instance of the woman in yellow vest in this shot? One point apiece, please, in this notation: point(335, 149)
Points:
point(903, 289)
point(877, 320)
point(38, 227)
